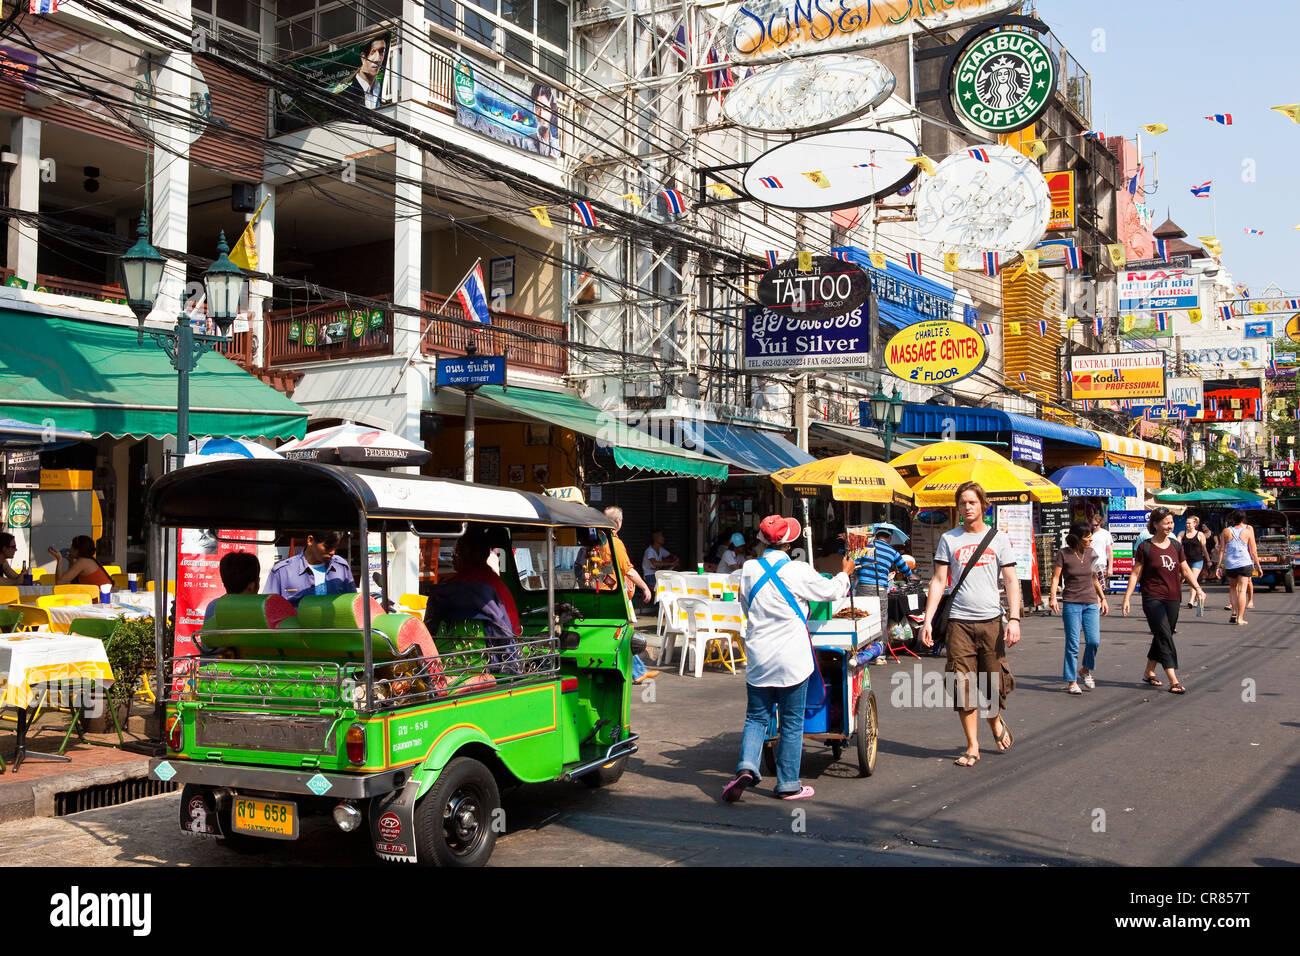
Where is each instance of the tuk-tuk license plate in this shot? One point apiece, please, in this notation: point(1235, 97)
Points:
point(265, 818)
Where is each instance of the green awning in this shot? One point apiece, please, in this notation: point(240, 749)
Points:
point(632, 448)
point(93, 376)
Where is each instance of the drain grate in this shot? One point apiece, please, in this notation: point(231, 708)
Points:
point(109, 795)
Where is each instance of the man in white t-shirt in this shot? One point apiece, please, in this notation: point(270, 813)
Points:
point(656, 558)
point(734, 556)
point(1103, 546)
point(976, 650)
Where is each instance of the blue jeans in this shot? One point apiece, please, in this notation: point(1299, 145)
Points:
point(638, 668)
point(1089, 617)
point(789, 701)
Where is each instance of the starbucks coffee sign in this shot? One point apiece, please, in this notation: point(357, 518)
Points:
point(1003, 80)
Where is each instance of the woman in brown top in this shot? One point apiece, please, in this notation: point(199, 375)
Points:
point(1085, 603)
point(82, 566)
point(1159, 564)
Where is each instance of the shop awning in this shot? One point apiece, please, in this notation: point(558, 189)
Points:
point(93, 376)
point(750, 449)
point(1135, 448)
point(932, 420)
point(632, 448)
point(855, 436)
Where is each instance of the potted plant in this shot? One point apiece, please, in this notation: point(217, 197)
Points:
point(130, 651)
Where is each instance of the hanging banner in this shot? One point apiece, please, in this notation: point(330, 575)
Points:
point(198, 580)
point(353, 76)
point(1117, 375)
point(1060, 186)
point(936, 352)
point(488, 105)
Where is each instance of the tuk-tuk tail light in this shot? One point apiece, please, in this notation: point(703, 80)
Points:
point(568, 685)
point(355, 744)
point(175, 732)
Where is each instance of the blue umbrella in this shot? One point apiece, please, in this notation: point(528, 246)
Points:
point(223, 449)
point(899, 534)
point(1092, 481)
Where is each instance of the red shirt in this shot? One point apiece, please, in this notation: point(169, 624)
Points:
point(1162, 576)
point(486, 575)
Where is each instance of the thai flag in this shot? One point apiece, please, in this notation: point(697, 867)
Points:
point(673, 198)
point(43, 6)
point(1162, 250)
point(1202, 191)
point(1226, 312)
point(1069, 376)
point(1133, 183)
point(1161, 322)
point(721, 78)
point(680, 42)
point(1022, 377)
point(907, 189)
point(986, 329)
point(1254, 232)
point(1087, 405)
point(1223, 119)
point(1100, 325)
point(980, 154)
point(585, 213)
point(1072, 257)
point(773, 257)
point(771, 182)
point(914, 262)
point(991, 267)
point(473, 296)
point(842, 256)
point(1293, 304)
point(1094, 134)
point(1042, 327)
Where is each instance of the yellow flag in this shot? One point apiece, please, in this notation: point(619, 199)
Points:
point(877, 259)
point(1258, 308)
point(1211, 244)
point(925, 162)
point(805, 260)
point(1155, 129)
point(1037, 148)
point(632, 198)
point(818, 179)
point(1070, 323)
point(1117, 255)
point(1031, 260)
point(244, 254)
point(722, 189)
point(1013, 328)
point(1126, 323)
point(542, 215)
point(1194, 315)
point(950, 262)
point(1290, 110)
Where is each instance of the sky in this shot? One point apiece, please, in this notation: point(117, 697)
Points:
point(1175, 62)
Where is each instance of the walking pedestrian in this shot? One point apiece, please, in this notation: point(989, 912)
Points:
point(1159, 566)
point(876, 570)
point(976, 638)
point(1193, 541)
point(774, 595)
point(1085, 605)
point(631, 581)
point(1240, 562)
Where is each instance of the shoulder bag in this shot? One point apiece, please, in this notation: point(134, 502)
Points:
point(939, 625)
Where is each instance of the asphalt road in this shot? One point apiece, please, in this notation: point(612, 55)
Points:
point(1125, 774)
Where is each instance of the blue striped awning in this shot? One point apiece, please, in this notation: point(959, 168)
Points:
point(931, 420)
point(751, 449)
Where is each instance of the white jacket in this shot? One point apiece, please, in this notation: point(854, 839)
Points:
point(776, 642)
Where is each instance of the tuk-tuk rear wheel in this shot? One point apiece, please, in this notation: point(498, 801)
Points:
point(454, 822)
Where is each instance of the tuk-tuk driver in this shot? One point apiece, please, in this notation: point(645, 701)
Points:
point(317, 570)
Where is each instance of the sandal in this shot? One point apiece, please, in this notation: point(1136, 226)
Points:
point(1004, 738)
point(736, 788)
point(1151, 679)
point(803, 793)
point(967, 760)
point(1177, 688)
point(1073, 688)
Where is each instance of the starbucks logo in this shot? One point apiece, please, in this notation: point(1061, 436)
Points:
point(1003, 81)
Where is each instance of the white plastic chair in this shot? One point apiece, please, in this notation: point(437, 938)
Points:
point(699, 632)
point(733, 583)
point(668, 589)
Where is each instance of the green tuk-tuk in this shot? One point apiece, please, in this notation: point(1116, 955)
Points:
point(338, 706)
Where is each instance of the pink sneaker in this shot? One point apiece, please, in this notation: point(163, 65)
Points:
point(803, 793)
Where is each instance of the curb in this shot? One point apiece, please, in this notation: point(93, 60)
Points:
point(20, 800)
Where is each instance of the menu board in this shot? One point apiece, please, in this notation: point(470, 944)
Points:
point(927, 528)
point(199, 580)
point(1054, 522)
point(1124, 527)
point(1017, 521)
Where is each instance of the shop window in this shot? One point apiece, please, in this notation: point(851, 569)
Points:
point(241, 13)
point(337, 22)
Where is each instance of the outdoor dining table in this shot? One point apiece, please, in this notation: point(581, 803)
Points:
point(65, 614)
point(26, 591)
point(37, 657)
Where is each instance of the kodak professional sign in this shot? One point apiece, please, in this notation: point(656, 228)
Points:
point(937, 352)
point(1117, 375)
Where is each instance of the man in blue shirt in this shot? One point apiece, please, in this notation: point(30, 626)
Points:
point(317, 570)
point(873, 572)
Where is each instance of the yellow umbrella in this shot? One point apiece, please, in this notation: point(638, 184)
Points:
point(932, 457)
point(844, 478)
point(1001, 481)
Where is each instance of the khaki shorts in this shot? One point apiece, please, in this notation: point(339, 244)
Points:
point(977, 648)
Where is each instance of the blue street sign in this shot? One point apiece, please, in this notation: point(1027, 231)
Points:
point(479, 370)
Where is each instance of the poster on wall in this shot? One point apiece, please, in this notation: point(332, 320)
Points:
point(1060, 186)
point(353, 76)
point(1018, 523)
point(1124, 527)
point(508, 111)
point(927, 528)
point(198, 581)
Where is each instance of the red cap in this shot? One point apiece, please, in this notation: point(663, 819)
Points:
point(778, 530)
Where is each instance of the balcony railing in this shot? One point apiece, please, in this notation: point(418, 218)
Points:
point(543, 347)
point(334, 330)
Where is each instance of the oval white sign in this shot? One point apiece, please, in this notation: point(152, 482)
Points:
point(983, 199)
point(809, 94)
point(831, 170)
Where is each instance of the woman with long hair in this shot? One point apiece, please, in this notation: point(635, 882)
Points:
point(1159, 564)
point(8, 551)
point(1194, 547)
point(82, 568)
point(1240, 562)
point(1085, 604)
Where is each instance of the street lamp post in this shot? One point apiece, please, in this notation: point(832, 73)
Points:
point(887, 415)
point(224, 282)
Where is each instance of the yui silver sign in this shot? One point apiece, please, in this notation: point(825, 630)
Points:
point(809, 94)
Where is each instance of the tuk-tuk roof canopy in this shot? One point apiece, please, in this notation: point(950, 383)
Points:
point(261, 494)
